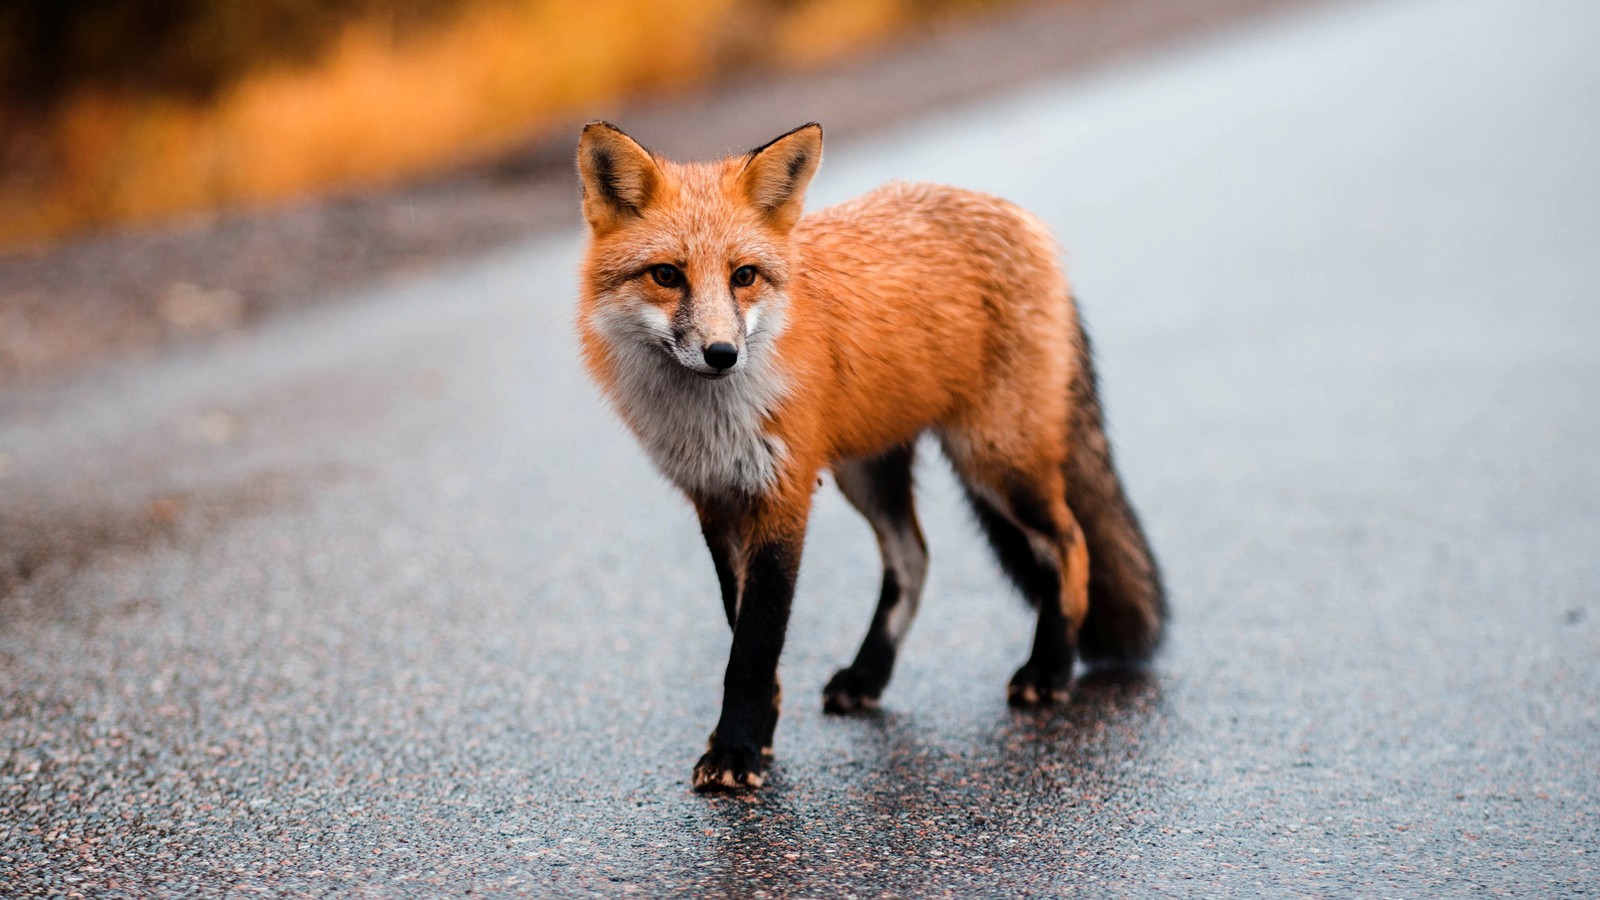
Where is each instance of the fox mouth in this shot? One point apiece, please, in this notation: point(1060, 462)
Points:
point(671, 351)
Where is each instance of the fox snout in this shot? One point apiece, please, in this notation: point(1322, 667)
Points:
point(707, 332)
point(721, 355)
point(710, 349)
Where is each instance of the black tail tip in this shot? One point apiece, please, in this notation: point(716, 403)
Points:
point(1123, 635)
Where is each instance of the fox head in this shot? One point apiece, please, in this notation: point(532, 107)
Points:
point(690, 261)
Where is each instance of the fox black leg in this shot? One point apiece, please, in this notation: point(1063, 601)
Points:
point(772, 719)
point(734, 760)
point(880, 488)
point(722, 541)
point(1031, 547)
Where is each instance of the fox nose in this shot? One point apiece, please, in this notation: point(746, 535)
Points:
point(721, 355)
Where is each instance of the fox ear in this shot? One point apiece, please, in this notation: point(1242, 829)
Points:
point(619, 177)
point(775, 175)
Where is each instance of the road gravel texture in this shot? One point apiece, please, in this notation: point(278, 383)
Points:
point(380, 600)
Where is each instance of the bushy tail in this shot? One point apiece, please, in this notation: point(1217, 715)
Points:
point(1127, 605)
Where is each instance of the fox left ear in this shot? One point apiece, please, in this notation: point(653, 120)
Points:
point(775, 175)
point(620, 178)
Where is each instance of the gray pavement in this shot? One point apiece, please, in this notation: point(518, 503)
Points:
point(382, 600)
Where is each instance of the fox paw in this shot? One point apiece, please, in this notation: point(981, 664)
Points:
point(1036, 685)
point(851, 690)
point(729, 769)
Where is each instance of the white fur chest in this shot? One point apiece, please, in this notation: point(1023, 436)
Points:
point(706, 436)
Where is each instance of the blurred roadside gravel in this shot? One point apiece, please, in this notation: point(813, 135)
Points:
point(138, 291)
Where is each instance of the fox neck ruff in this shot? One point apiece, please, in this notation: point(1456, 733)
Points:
point(707, 436)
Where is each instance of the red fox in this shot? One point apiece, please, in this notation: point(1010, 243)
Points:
point(750, 348)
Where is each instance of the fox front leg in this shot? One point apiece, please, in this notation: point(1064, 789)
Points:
point(735, 759)
point(727, 556)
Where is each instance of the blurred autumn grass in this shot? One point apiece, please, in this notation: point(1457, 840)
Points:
point(108, 115)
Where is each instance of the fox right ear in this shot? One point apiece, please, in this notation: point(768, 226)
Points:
point(619, 176)
point(775, 174)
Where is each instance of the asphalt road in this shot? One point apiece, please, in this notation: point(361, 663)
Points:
point(380, 599)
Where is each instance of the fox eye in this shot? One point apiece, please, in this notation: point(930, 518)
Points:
point(666, 275)
point(744, 276)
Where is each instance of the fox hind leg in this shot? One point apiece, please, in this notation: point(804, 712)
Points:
point(1041, 548)
point(880, 488)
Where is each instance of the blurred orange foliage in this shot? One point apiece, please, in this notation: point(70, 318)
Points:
point(378, 105)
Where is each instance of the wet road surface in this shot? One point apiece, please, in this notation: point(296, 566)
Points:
point(381, 599)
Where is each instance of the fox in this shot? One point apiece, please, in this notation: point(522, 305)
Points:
point(750, 348)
